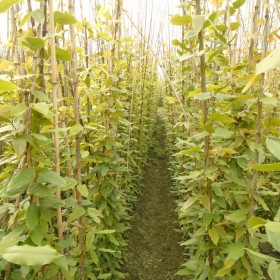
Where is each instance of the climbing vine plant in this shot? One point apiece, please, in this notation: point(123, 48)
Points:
point(224, 154)
point(74, 127)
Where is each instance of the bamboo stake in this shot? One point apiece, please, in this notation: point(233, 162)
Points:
point(204, 107)
point(254, 184)
point(78, 139)
point(55, 108)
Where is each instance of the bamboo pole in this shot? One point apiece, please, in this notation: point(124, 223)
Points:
point(204, 107)
point(55, 109)
point(77, 140)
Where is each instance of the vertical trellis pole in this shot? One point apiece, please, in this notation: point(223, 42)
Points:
point(55, 109)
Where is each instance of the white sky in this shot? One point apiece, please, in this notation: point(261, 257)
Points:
point(141, 12)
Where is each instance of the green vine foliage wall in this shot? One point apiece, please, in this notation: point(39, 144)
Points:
point(225, 158)
point(74, 132)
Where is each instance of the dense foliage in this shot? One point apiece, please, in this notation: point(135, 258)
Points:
point(74, 130)
point(225, 151)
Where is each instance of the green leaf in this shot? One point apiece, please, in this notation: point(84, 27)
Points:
point(20, 181)
point(259, 255)
point(19, 144)
point(181, 20)
point(271, 101)
point(273, 239)
point(95, 214)
point(274, 147)
point(234, 26)
point(37, 235)
point(83, 190)
point(64, 18)
point(38, 16)
point(124, 121)
point(200, 136)
point(10, 239)
point(104, 276)
point(7, 86)
point(106, 250)
point(34, 43)
point(203, 96)
point(267, 167)
point(49, 176)
point(221, 27)
point(237, 216)
point(274, 270)
point(77, 213)
point(29, 255)
point(105, 170)
point(77, 128)
point(197, 23)
point(237, 4)
point(40, 95)
point(40, 190)
point(270, 62)
point(62, 54)
point(236, 251)
point(222, 118)
point(42, 108)
point(273, 226)
point(223, 133)
point(18, 110)
point(32, 216)
point(7, 4)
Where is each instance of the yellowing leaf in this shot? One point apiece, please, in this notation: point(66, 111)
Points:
point(222, 118)
point(206, 202)
point(214, 235)
point(251, 82)
point(4, 64)
point(77, 128)
point(29, 255)
point(64, 18)
point(181, 20)
point(256, 222)
point(226, 269)
point(190, 151)
point(197, 23)
point(270, 62)
point(189, 203)
point(274, 147)
point(7, 4)
point(267, 167)
point(224, 151)
point(7, 86)
point(62, 54)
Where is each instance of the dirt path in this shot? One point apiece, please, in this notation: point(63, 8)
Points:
point(153, 251)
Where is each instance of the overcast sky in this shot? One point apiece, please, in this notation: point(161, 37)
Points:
point(142, 12)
